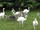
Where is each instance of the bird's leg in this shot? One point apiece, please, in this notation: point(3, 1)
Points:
point(19, 23)
point(34, 27)
point(0, 17)
point(22, 23)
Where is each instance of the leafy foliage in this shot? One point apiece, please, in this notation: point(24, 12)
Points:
point(20, 3)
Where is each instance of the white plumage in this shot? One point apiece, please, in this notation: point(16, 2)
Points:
point(26, 11)
point(35, 23)
point(13, 11)
point(21, 20)
point(2, 14)
point(16, 13)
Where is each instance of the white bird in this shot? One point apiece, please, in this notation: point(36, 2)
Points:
point(35, 23)
point(13, 11)
point(21, 20)
point(26, 11)
point(17, 14)
point(2, 14)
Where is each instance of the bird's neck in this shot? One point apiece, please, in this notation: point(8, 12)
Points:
point(19, 9)
point(3, 11)
point(28, 8)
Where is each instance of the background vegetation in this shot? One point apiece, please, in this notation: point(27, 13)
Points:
point(8, 4)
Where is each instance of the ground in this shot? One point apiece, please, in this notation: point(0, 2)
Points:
point(13, 25)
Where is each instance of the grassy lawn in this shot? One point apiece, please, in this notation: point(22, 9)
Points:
point(13, 25)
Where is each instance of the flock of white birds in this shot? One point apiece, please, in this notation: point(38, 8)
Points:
point(21, 16)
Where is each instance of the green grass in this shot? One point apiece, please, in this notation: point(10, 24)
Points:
point(13, 25)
